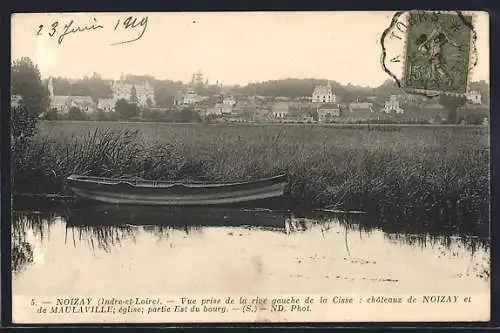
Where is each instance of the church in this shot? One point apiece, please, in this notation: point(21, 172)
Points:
point(63, 103)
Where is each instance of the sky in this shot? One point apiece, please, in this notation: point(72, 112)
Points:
point(233, 48)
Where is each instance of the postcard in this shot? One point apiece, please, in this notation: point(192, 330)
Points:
point(250, 167)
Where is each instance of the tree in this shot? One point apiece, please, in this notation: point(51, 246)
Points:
point(52, 114)
point(133, 95)
point(95, 87)
point(149, 102)
point(153, 114)
point(207, 90)
point(451, 104)
point(126, 110)
point(122, 108)
point(100, 115)
point(75, 113)
point(113, 116)
point(26, 82)
point(165, 92)
point(189, 115)
point(312, 113)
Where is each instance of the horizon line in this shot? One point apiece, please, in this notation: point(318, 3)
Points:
point(244, 84)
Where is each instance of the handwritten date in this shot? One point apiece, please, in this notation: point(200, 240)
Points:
point(61, 30)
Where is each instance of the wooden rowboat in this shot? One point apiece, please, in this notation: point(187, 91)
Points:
point(165, 193)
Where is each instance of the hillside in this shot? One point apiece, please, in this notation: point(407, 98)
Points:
point(165, 90)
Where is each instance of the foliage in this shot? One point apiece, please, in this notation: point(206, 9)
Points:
point(52, 114)
point(126, 110)
point(152, 114)
point(451, 104)
point(189, 115)
point(166, 90)
point(23, 124)
point(294, 88)
point(94, 86)
point(22, 255)
point(403, 176)
point(209, 90)
point(473, 119)
point(133, 95)
point(75, 113)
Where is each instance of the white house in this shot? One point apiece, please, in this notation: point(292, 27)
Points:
point(224, 109)
point(280, 110)
point(190, 97)
point(106, 104)
point(392, 105)
point(327, 114)
point(84, 103)
point(123, 90)
point(229, 100)
point(474, 97)
point(219, 109)
point(210, 111)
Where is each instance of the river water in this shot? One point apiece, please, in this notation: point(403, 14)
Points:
point(233, 252)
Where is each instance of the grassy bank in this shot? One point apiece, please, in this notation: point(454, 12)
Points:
point(418, 175)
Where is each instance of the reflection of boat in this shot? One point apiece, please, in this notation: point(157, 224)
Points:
point(174, 216)
point(39, 202)
point(164, 193)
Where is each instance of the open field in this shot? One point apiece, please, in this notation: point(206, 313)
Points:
point(427, 176)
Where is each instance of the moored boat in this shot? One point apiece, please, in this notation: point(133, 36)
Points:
point(167, 193)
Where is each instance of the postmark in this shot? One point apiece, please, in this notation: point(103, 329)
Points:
point(435, 51)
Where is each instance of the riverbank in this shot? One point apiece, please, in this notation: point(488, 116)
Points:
point(427, 177)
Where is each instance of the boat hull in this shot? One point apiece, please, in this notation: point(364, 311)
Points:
point(112, 191)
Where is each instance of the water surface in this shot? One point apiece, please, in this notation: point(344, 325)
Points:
point(123, 253)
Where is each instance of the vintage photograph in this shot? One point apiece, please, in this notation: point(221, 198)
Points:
point(250, 167)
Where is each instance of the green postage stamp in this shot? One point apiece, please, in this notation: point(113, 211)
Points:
point(438, 52)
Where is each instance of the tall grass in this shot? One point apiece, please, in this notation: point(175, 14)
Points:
point(403, 176)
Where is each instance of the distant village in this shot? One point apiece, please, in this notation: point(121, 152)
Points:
point(323, 105)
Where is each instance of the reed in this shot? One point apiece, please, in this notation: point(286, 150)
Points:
point(417, 175)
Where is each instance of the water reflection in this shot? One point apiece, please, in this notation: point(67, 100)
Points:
point(106, 226)
point(103, 237)
point(348, 248)
point(176, 217)
point(35, 222)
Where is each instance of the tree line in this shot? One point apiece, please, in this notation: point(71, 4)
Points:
point(166, 90)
